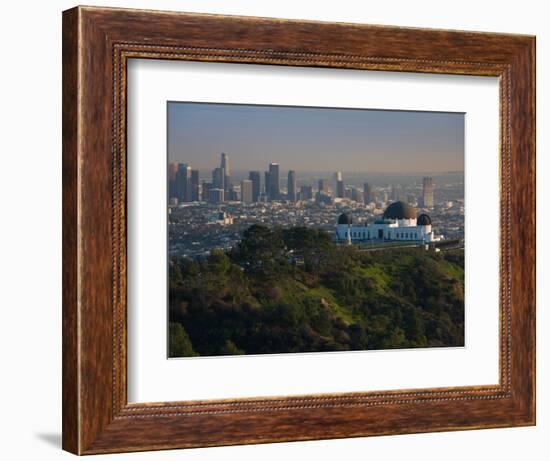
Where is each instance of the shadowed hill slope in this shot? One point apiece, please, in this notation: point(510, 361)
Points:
point(293, 290)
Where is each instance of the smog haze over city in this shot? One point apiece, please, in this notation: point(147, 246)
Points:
point(316, 139)
point(307, 229)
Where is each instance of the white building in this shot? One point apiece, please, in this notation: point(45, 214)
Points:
point(399, 223)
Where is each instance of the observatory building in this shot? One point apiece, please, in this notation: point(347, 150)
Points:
point(399, 223)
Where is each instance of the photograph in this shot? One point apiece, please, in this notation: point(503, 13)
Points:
point(279, 224)
point(313, 229)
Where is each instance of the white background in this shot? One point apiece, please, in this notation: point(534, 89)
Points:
point(30, 235)
point(152, 378)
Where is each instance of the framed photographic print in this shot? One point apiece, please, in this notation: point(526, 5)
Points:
point(284, 230)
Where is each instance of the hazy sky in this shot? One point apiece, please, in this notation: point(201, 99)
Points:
point(315, 139)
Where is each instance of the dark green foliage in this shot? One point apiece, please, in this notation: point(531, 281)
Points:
point(179, 344)
point(261, 251)
point(294, 290)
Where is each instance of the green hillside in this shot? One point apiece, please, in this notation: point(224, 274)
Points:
point(294, 290)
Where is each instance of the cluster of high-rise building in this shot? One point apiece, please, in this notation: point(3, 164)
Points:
point(183, 182)
point(185, 186)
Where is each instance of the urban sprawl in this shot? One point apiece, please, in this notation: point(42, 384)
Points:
point(214, 212)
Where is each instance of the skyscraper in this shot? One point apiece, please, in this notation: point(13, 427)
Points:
point(183, 177)
point(194, 197)
point(172, 172)
point(218, 178)
point(323, 185)
point(292, 186)
point(266, 183)
point(254, 176)
point(224, 164)
point(206, 186)
point(246, 191)
point(188, 184)
point(338, 185)
point(306, 193)
point(216, 195)
point(339, 188)
point(274, 191)
point(395, 193)
point(368, 193)
point(427, 192)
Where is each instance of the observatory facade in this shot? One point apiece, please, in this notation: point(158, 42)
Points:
point(399, 223)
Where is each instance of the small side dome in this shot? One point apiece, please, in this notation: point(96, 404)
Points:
point(424, 220)
point(345, 218)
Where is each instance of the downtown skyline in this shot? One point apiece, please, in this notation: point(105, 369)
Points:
point(186, 185)
point(321, 140)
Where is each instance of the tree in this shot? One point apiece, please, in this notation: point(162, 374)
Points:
point(313, 246)
point(218, 262)
point(261, 250)
point(179, 344)
point(230, 348)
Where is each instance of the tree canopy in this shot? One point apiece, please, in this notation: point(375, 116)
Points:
point(293, 290)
